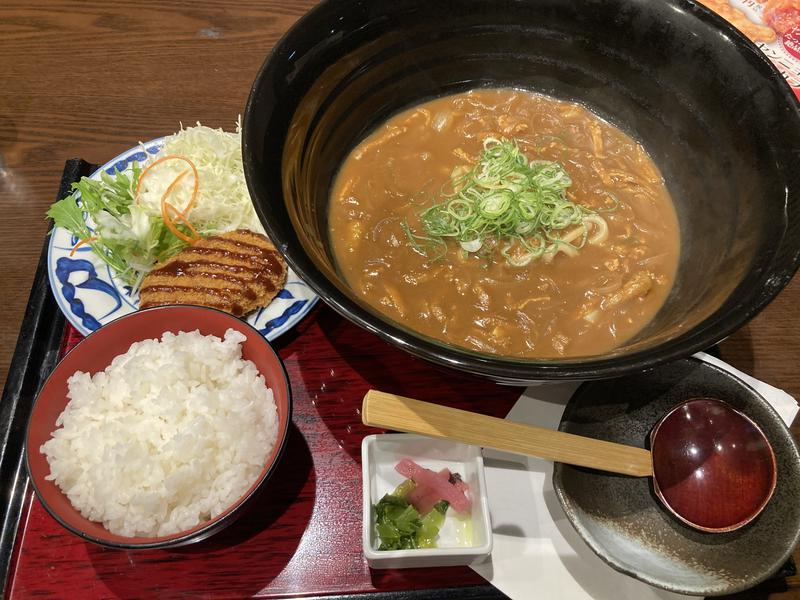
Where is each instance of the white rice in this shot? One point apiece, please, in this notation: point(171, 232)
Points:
point(170, 435)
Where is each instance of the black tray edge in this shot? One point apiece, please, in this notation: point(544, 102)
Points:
point(478, 592)
point(35, 356)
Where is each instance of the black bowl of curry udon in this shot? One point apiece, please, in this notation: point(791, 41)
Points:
point(529, 190)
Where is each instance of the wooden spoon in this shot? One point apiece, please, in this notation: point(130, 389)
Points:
point(388, 411)
point(712, 467)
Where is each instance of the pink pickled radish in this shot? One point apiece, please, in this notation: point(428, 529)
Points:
point(445, 490)
point(424, 498)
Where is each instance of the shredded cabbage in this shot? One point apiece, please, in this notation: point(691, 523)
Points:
point(223, 202)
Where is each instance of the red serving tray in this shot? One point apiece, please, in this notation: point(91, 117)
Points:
point(302, 534)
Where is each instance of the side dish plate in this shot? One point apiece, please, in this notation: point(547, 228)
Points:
point(90, 296)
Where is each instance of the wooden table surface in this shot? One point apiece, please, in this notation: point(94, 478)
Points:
point(91, 79)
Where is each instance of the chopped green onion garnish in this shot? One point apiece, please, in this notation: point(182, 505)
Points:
point(504, 203)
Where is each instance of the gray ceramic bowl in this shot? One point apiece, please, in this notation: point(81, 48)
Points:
point(619, 517)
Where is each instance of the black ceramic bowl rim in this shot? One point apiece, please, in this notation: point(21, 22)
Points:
point(501, 368)
point(212, 526)
point(609, 559)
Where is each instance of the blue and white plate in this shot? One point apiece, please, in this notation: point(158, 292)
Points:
point(90, 295)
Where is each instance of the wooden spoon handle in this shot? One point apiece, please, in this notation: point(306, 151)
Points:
point(388, 411)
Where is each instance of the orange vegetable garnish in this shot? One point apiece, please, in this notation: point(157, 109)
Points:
point(182, 218)
point(166, 207)
point(81, 243)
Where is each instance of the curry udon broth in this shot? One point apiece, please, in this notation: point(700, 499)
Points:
point(557, 291)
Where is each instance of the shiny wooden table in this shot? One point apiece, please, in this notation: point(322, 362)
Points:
point(91, 79)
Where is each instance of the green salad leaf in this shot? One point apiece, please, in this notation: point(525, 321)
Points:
point(67, 214)
point(125, 236)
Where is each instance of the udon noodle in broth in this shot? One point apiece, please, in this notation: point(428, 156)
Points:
point(506, 222)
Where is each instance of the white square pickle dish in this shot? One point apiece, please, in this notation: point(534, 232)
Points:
point(459, 543)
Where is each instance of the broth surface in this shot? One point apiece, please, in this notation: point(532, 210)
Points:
point(568, 306)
